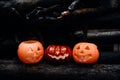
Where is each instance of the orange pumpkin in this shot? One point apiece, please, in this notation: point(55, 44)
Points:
point(86, 53)
point(30, 51)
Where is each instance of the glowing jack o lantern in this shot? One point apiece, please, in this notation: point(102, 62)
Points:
point(30, 51)
point(58, 53)
point(84, 52)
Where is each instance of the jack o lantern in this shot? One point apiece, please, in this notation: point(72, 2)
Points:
point(84, 52)
point(30, 51)
point(59, 53)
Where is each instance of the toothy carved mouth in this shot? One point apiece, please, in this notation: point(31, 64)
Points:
point(84, 58)
point(59, 57)
point(35, 57)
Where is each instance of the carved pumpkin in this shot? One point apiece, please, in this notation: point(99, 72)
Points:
point(30, 51)
point(84, 52)
point(58, 53)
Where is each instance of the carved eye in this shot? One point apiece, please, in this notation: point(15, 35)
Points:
point(51, 49)
point(87, 48)
point(63, 50)
point(78, 47)
point(38, 48)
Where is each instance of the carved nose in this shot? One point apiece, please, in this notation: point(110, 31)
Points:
point(81, 51)
point(57, 52)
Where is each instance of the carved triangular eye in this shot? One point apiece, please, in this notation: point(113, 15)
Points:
point(31, 49)
point(87, 48)
point(78, 47)
point(38, 48)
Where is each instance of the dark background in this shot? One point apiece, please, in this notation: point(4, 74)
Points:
point(100, 27)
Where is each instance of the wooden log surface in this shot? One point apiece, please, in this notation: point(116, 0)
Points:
point(12, 69)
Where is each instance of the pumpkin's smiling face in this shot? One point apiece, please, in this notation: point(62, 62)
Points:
point(85, 53)
point(58, 53)
point(30, 51)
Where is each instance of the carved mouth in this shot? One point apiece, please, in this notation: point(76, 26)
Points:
point(84, 58)
point(36, 56)
point(59, 57)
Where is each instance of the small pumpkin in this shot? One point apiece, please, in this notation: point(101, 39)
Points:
point(84, 52)
point(59, 53)
point(30, 51)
